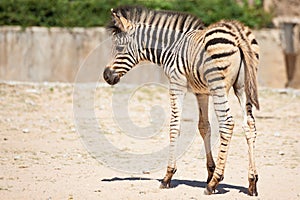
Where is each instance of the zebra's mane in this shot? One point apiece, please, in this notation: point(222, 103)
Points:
point(138, 15)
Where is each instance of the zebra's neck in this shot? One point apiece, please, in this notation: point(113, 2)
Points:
point(159, 45)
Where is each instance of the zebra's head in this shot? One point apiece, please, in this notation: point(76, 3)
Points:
point(124, 48)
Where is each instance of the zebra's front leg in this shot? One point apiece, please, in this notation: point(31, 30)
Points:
point(176, 97)
point(226, 124)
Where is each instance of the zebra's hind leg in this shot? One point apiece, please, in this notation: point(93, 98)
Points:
point(226, 124)
point(250, 133)
point(205, 132)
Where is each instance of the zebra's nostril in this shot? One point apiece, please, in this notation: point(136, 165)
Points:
point(106, 74)
point(116, 78)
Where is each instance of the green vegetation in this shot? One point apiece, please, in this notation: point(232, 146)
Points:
point(90, 13)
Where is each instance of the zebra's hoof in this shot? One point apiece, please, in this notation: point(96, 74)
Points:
point(208, 190)
point(252, 190)
point(164, 186)
point(252, 193)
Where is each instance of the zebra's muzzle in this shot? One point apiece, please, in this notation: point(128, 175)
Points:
point(111, 76)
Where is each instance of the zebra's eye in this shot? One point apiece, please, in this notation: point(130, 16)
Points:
point(120, 48)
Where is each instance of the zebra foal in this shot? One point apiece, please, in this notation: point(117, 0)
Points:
point(208, 61)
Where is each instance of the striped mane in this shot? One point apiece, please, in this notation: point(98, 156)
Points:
point(141, 15)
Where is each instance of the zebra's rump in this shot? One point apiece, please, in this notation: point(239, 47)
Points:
point(217, 53)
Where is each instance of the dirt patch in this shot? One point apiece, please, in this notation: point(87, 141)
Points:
point(43, 157)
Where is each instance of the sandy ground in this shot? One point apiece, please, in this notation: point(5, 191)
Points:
point(43, 154)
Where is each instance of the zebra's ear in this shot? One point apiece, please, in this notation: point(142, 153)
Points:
point(121, 22)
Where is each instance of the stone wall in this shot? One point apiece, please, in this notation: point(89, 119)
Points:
point(42, 54)
point(60, 54)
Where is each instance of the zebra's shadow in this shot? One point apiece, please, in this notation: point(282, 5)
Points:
point(221, 189)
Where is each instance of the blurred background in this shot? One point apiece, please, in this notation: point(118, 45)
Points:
point(48, 40)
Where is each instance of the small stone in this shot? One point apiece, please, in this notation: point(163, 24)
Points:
point(146, 172)
point(33, 91)
point(276, 134)
point(23, 166)
point(18, 157)
point(29, 102)
point(70, 197)
point(25, 130)
point(281, 153)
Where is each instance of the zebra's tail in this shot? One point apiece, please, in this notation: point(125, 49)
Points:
point(250, 51)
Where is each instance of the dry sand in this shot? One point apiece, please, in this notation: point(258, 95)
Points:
point(42, 155)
